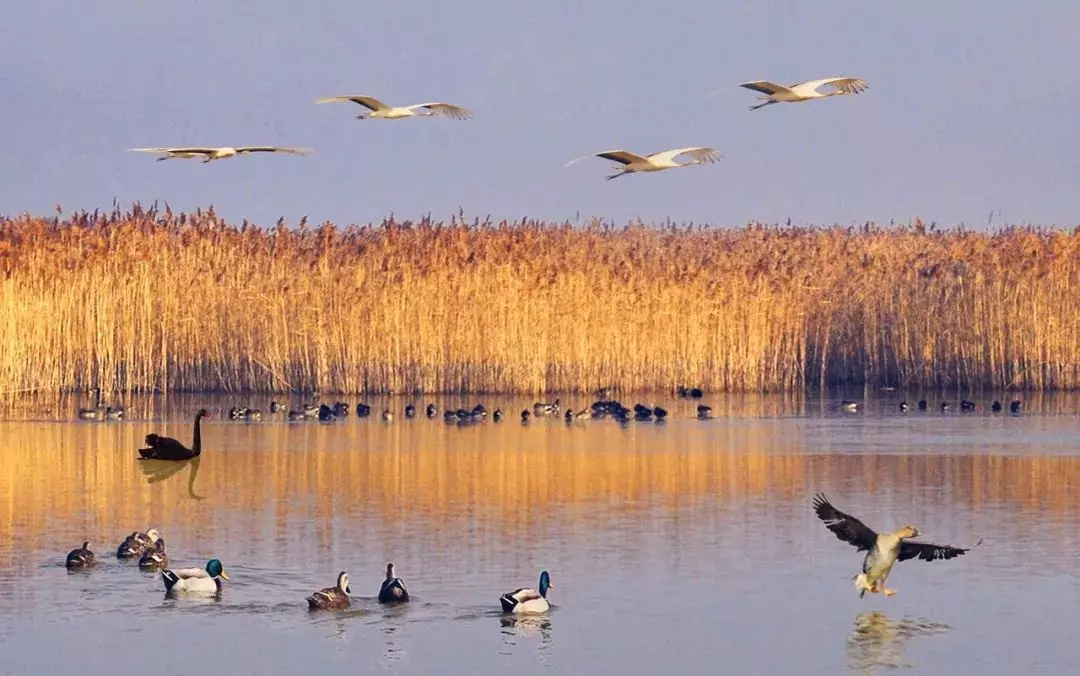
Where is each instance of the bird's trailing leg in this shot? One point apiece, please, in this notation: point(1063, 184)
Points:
point(621, 173)
point(769, 102)
point(361, 117)
point(887, 592)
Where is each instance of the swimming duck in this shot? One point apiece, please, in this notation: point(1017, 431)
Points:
point(195, 580)
point(275, 407)
point(387, 415)
point(1014, 406)
point(660, 413)
point(497, 415)
point(996, 406)
point(114, 413)
point(332, 597)
point(903, 407)
point(155, 558)
point(166, 448)
point(95, 413)
point(393, 588)
point(849, 406)
point(704, 412)
point(135, 544)
point(882, 550)
point(922, 404)
point(431, 410)
point(410, 411)
point(527, 600)
point(296, 416)
point(341, 410)
point(80, 558)
point(525, 415)
point(363, 410)
point(543, 408)
point(966, 405)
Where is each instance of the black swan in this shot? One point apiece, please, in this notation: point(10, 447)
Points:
point(165, 448)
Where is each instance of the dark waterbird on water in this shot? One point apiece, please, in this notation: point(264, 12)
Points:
point(393, 588)
point(166, 448)
point(80, 558)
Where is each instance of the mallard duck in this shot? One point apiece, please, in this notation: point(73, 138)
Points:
point(135, 544)
point(195, 580)
point(332, 597)
point(155, 558)
point(393, 588)
point(527, 600)
point(882, 550)
point(80, 558)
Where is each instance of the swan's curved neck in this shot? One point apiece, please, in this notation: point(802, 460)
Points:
point(196, 442)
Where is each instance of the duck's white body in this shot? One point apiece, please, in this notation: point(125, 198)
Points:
point(527, 601)
point(192, 580)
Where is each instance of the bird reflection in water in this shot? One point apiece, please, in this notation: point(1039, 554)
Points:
point(526, 627)
point(159, 470)
point(393, 650)
point(878, 641)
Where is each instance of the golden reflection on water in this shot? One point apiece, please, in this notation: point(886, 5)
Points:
point(508, 477)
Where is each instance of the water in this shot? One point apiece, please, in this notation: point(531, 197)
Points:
point(687, 547)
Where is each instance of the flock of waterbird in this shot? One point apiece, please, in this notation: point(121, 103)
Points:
point(148, 548)
point(626, 161)
point(883, 550)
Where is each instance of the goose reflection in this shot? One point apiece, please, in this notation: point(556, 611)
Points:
point(160, 470)
point(519, 627)
point(878, 641)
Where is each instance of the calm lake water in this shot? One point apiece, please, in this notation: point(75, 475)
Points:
point(688, 547)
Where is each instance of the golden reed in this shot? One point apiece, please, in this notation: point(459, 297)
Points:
point(149, 300)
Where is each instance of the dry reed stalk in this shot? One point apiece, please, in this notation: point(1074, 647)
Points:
point(147, 300)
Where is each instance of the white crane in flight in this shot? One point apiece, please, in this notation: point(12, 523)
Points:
point(632, 162)
point(381, 111)
point(806, 91)
point(209, 154)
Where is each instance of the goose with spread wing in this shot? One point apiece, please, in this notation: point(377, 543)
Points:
point(209, 154)
point(167, 448)
point(381, 111)
point(632, 162)
point(883, 550)
point(805, 91)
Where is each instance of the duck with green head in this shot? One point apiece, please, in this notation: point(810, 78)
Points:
point(525, 600)
point(80, 558)
point(195, 580)
point(332, 597)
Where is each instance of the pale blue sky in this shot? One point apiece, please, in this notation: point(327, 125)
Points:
point(972, 106)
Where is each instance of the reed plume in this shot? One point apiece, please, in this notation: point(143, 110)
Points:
point(150, 300)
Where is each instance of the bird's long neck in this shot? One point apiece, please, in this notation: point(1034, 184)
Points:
point(196, 441)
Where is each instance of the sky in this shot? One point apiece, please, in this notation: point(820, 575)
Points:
point(971, 110)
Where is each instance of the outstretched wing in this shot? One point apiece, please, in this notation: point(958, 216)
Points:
point(699, 154)
point(931, 552)
point(620, 156)
point(273, 149)
point(848, 85)
point(765, 87)
point(369, 102)
point(846, 527)
point(176, 151)
point(444, 109)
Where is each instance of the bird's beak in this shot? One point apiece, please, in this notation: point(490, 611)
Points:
point(551, 585)
point(224, 575)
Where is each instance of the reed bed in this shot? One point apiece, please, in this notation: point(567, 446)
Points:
point(148, 300)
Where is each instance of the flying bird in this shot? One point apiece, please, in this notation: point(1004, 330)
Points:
point(882, 550)
point(381, 111)
point(633, 162)
point(806, 91)
point(221, 153)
